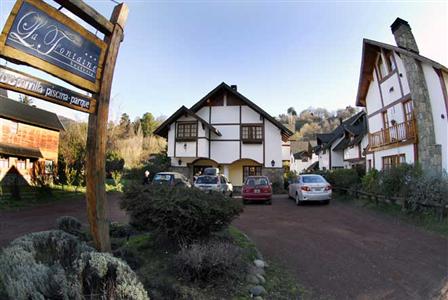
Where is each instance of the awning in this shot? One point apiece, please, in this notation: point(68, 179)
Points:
point(15, 150)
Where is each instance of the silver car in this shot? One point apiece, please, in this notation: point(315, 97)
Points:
point(310, 188)
point(217, 183)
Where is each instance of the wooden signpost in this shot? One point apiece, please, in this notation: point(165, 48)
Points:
point(38, 35)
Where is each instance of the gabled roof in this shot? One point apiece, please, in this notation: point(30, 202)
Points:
point(20, 112)
point(162, 130)
point(286, 133)
point(370, 48)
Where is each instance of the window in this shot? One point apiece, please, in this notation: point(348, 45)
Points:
point(393, 161)
point(252, 133)
point(380, 67)
point(187, 131)
point(21, 164)
point(390, 61)
point(48, 167)
point(4, 163)
point(251, 171)
point(408, 108)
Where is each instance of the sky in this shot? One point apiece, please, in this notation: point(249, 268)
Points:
point(279, 53)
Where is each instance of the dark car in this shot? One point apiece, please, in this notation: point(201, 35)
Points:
point(257, 188)
point(171, 179)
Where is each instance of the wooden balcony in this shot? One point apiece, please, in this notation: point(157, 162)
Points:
point(396, 134)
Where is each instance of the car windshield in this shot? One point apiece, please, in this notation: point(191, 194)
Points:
point(162, 177)
point(256, 181)
point(207, 180)
point(312, 179)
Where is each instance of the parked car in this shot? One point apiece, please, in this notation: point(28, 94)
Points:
point(171, 179)
point(310, 187)
point(218, 183)
point(257, 188)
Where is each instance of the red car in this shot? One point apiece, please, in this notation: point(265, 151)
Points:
point(257, 188)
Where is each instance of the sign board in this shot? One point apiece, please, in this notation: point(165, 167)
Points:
point(39, 35)
point(30, 85)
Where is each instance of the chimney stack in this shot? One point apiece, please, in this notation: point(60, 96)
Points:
point(403, 35)
point(234, 87)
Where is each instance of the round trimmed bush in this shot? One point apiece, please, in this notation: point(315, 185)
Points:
point(180, 214)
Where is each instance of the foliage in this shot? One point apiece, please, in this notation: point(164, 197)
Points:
point(430, 188)
point(42, 178)
point(69, 224)
point(180, 214)
point(395, 182)
point(148, 124)
point(56, 265)
point(70, 175)
point(210, 262)
point(114, 162)
point(371, 181)
point(343, 178)
point(116, 176)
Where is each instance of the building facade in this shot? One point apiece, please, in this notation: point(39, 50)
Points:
point(226, 130)
point(405, 96)
point(29, 141)
point(344, 147)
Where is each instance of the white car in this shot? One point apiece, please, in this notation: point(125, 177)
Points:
point(217, 183)
point(310, 187)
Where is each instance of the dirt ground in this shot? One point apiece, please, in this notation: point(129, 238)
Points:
point(337, 251)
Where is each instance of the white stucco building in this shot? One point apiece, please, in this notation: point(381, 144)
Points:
point(405, 96)
point(225, 129)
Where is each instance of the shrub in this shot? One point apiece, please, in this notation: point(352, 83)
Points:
point(343, 178)
point(371, 182)
point(180, 214)
point(118, 230)
point(69, 224)
point(429, 189)
point(396, 181)
point(116, 177)
point(57, 265)
point(210, 262)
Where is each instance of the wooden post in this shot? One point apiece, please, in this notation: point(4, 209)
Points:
point(97, 208)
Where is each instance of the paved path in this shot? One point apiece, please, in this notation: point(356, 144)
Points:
point(344, 252)
point(43, 217)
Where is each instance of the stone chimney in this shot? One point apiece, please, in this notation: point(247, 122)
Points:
point(429, 154)
point(403, 35)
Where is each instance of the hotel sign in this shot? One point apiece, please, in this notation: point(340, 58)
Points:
point(38, 35)
point(29, 85)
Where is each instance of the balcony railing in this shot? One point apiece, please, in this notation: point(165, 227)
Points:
point(393, 135)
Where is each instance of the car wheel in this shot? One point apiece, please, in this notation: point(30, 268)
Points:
point(298, 202)
point(244, 201)
point(269, 202)
point(326, 202)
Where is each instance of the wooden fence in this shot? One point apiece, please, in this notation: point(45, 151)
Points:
point(441, 208)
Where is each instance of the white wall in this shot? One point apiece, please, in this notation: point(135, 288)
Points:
point(407, 150)
point(364, 144)
point(273, 145)
point(252, 151)
point(202, 147)
point(375, 123)
point(300, 166)
point(324, 160)
point(224, 152)
point(401, 69)
point(228, 132)
point(248, 115)
point(188, 151)
point(438, 108)
point(204, 112)
point(351, 153)
point(225, 114)
point(373, 98)
point(337, 157)
point(391, 89)
point(171, 140)
point(286, 151)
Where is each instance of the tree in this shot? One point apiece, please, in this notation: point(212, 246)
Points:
point(25, 100)
point(148, 124)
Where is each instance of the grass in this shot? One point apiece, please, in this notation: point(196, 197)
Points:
point(426, 220)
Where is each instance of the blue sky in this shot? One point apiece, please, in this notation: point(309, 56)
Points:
point(279, 53)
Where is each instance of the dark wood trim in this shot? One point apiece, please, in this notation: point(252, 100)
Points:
point(180, 140)
point(385, 78)
point(209, 133)
point(398, 74)
point(264, 143)
point(379, 86)
point(329, 158)
point(252, 141)
point(224, 140)
point(226, 124)
point(197, 143)
point(175, 134)
point(241, 145)
point(384, 108)
point(444, 89)
point(373, 156)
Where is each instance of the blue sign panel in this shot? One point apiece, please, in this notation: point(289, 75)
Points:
point(36, 33)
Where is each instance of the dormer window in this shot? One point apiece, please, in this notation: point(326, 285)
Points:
point(252, 134)
point(187, 131)
point(385, 64)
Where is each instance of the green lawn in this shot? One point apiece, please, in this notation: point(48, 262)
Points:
point(427, 220)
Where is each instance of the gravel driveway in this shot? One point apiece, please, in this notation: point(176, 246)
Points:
point(337, 251)
point(344, 252)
